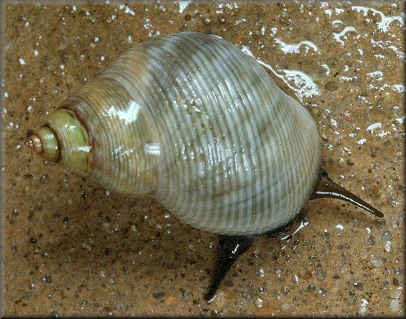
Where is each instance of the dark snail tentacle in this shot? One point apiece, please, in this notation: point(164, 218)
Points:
point(229, 249)
point(326, 188)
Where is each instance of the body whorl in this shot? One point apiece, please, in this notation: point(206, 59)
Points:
point(194, 121)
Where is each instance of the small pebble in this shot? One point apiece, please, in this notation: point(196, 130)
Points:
point(43, 178)
point(376, 261)
point(325, 235)
point(321, 275)
point(311, 288)
point(371, 240)
point(358, 285)
point(158, 295)
point(307, 275)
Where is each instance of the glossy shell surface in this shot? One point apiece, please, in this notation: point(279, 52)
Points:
point(194, 121)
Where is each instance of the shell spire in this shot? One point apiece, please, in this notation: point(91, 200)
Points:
point(64, 139)
point(45, 143)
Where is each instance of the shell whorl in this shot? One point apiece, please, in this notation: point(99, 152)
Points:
point(193, 120)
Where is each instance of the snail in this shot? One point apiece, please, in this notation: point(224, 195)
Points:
point(192, 120)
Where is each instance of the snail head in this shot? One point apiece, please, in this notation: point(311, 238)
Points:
point(64, 139)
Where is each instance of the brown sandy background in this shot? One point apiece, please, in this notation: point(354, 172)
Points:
point(71, 248)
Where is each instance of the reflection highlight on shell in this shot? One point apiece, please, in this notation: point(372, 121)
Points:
point(192, 120)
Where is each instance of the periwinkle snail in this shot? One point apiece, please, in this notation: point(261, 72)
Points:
point(192, 120)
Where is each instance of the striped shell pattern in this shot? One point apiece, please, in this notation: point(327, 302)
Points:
point(192, 120)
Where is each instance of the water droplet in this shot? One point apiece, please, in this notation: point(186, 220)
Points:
point(388, 246)
point(394, 222)
point(322, 292)
point(340, 227)
point(295, 279)
point(83, 304)
point(286, 305)
point(261, 289)
point(394, 305)
point(46, 279)
point(363, 307)
point(396, 294)
point(386, 236)
point(260, 272)
point(259, 302)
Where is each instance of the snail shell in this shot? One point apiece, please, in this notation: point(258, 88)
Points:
point(197, 123)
